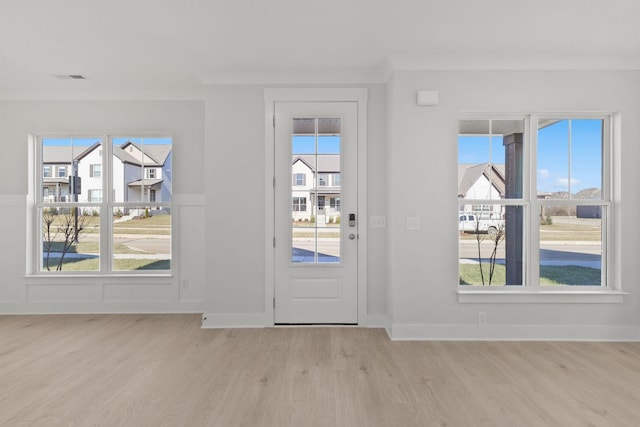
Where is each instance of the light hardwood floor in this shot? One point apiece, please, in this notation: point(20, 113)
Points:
point(163, 370)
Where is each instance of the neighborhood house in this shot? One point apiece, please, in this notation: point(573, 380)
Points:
point(313, 201)
point(484, 181)
point(141, 173)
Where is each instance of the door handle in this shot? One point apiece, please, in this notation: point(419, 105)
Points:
point(352, 236)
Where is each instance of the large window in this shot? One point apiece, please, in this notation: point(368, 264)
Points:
point(78, 228)
point(533, 207)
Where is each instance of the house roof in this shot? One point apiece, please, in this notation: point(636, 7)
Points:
point(55, 180)
point(125, 157)
point(88, 150)
point(327, 163)
point(157, 152)
point(61, 154)
point(65, 154)
point(468, 174)
point(144, 182)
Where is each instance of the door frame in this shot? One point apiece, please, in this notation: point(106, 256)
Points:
point(271, 97)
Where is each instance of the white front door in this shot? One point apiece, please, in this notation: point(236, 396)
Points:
point(316, 218)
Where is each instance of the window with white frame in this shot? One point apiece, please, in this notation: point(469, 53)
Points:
point(299, 179)
point(62, 171)
point(334, 203)
point(46, 171)
point(151, 173)
point(533, 208)
point(76, 229)
point(95, 196)
point(299, 204)
point(95, 171)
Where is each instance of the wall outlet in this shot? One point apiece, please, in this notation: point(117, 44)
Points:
point(482, 317)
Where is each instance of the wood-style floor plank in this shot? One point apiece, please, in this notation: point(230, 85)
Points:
point(164, 370)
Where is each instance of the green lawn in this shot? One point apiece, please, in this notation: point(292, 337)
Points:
point(141, 232)
point(92, 264)
point(90, 248)
point(549, 275)
point(156, 221)
point(574, 230)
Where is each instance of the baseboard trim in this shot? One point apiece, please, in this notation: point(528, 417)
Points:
point(85, 307)
point(234, 320)
point(376, 321)
point(431, 332)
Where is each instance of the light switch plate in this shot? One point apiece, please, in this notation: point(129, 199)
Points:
point(413, 223)
point(377, 222)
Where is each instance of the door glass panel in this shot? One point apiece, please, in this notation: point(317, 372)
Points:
point(315, 191)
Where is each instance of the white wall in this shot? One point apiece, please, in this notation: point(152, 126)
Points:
point(235, 236)
point(422, 169)
point(185, 121)
point(412, 166)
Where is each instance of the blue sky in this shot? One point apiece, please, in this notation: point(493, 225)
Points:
point(553, 154)
point(86, 142)
point(65, 142)
point(306, 144)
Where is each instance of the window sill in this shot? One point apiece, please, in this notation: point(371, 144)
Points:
point(543, 296)
point(49, 277)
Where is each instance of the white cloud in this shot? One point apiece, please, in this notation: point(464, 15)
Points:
point(543, 173)
point(564, 182)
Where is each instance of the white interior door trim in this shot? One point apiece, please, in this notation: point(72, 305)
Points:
point(271, 96)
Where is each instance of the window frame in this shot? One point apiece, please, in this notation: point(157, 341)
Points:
point(92, 170)
point(108, 204)
point(93, 191)
point(299, 183)
point(531, 290)
point(298, 203)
